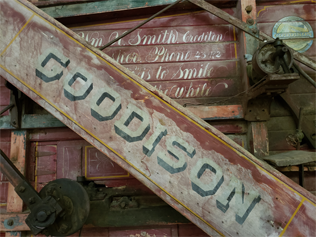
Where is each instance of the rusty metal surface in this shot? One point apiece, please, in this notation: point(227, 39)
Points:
point(188, 163)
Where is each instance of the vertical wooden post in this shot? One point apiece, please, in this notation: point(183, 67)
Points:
point(17, 156)
point(258, 132)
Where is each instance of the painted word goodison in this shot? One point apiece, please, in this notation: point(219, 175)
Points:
point(173, 159)
point(194, 168)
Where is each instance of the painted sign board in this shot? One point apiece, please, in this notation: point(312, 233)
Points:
point(197, 170)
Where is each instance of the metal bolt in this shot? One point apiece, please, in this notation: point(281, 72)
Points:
point(21, 189)
point(32, 200)
point(41, 216)
point(250, 21)
point(248, 9)
point(123, 204)
point(63, 228)
point(10, 222)
point(254, 30)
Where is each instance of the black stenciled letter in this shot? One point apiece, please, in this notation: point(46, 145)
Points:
point(55, 73)
point(211, 187)
point(105, 114)
point(244, 204)
point(173, 144)
point(150, 145)
point(73, 94)
point(121, 126)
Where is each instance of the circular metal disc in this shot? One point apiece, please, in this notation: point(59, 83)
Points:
point(74, 200)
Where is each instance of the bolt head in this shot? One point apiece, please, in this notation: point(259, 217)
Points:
point(10, 222)
point(32, 200)
point(22, 189)
point(248, 9)
point(41, 216)
point(250, 21)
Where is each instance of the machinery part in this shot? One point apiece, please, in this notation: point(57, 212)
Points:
point(307, 125)
point(73, 199)
point(247, 29)
point(61, 207)
point(257, 102)
point(272, 57)
point(139, 25)
point(304, 74)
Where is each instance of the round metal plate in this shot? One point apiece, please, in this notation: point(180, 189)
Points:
point(74, 200)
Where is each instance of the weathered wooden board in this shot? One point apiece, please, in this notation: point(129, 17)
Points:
point(291, 158)
point(212, 181)
point(197, 18)
point(171, 53)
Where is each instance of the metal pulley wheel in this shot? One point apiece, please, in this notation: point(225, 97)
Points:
point(273, 57)
point(73, 199)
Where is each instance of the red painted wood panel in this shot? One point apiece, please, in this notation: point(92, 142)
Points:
point(4, 95)
point(198, 88)
point(198, 18)
point(46, 159)
point(5, 145)
point(273, 13)
point(98, 166)
point(70, 156)
point(190, 231)
point(159, 36)
point(185, 71)
point(172, 53)
point(54, 134)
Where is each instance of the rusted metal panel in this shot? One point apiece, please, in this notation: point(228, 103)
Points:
point(143, 131)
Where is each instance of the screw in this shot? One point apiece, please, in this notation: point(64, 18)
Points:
point(32, 200)
point(10, 222)
point(254, 30)
point(248, 9)
point(21, 189)
point(41, 216)
point(250, 21)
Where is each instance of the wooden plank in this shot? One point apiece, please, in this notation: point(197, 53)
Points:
point(218, 112)
point(171, 54)
point(197, 88)
point(189, 18)
point(259, 141)
point(4, 96)
point(17, 156)
point(18, 223)
point(158, 36)
point(185, 71)
point(291, 158)
point(53, 134)
point(273, 13)
point(195, 184)
point(98, 7)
